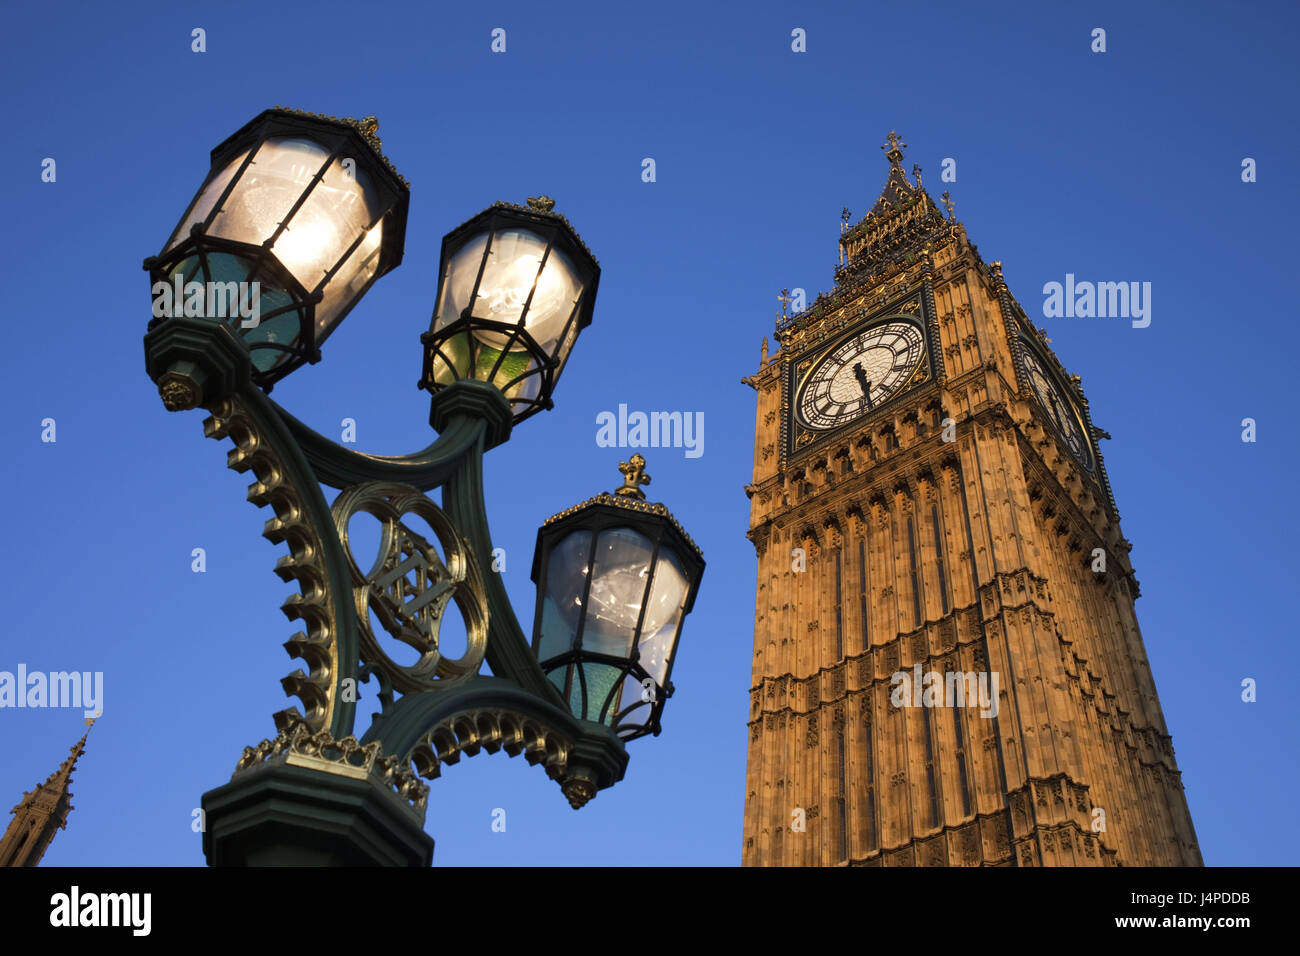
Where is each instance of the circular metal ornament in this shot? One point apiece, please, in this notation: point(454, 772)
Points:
point(412, 611)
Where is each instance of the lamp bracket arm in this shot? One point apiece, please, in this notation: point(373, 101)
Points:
point(341, 467)
point(492, 714)
point(287, 483)
point(509, 653)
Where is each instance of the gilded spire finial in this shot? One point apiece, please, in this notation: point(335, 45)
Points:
point(541, 203)
point(634, 477)
point(995, 270)
point(947, 203)
point(916, 171)
point(895, 155)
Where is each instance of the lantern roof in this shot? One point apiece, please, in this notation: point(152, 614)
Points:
point(540, 209)
point(631, 498)
point(607, 499)
point(630, 502)
point(365, 128)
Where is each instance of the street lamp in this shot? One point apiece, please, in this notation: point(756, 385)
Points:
point(299, 215)
point(615, 576)
point(515, 288)
point(297, 218)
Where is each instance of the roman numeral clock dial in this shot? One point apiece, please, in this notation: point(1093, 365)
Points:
point(859, 374)
point(1059, 409)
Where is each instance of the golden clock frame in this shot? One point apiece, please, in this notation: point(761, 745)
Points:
point(804, 368)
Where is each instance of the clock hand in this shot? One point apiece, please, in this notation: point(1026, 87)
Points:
point(863, 382)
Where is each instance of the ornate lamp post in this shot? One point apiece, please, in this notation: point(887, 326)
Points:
point(299, 215)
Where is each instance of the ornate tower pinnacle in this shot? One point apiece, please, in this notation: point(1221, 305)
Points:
point(895, 155)
point(42, 812)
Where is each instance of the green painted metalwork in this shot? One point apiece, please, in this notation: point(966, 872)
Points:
point(304, 480)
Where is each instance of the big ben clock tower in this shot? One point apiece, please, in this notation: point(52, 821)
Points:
point(947, 664)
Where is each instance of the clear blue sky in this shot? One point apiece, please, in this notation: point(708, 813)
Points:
point(1116, 166)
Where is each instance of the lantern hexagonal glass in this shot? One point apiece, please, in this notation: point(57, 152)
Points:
point(298, 217)
point(616, 577)
point(516, 287)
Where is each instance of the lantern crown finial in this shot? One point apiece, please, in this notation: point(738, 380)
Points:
point(541, 203)
point(634, 477)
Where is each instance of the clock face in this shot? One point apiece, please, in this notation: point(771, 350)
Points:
point(860, 373)
point(1058, 408)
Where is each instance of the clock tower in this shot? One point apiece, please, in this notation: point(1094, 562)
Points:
point(947, 667)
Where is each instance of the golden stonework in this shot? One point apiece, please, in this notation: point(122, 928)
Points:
point(923, 580)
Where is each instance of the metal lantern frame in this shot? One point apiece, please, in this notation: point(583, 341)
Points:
point(609, 512)
point(555, 230)
point(340, 138)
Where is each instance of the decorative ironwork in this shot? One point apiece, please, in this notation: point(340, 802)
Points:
point(297, 745)
point(315, 605)
point(491, 729)
point(634, 504)
point(409, 586)
point(633, 477)
point(367, 127)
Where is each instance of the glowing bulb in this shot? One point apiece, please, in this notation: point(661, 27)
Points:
point(300, 247)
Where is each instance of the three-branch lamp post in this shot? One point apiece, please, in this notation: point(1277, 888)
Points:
point(299, 215)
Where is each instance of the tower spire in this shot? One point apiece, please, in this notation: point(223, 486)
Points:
point(902, 220)
point(42, 812)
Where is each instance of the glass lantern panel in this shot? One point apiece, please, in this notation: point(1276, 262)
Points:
point(281, 170)
point(458, 278)
point(575, 695)
point(441, 372)
point(508, 277)
point(566, 580)
point(602, 680)
point(557, 677)
point(667, 597)
point(657, 650)
point(516, 362)
point(338, 210)
point(511, 273)
point(228, 297)
point(618, 589)
point(566, 347)
point(348, 283)
point(635, 698)
point(207, 199)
